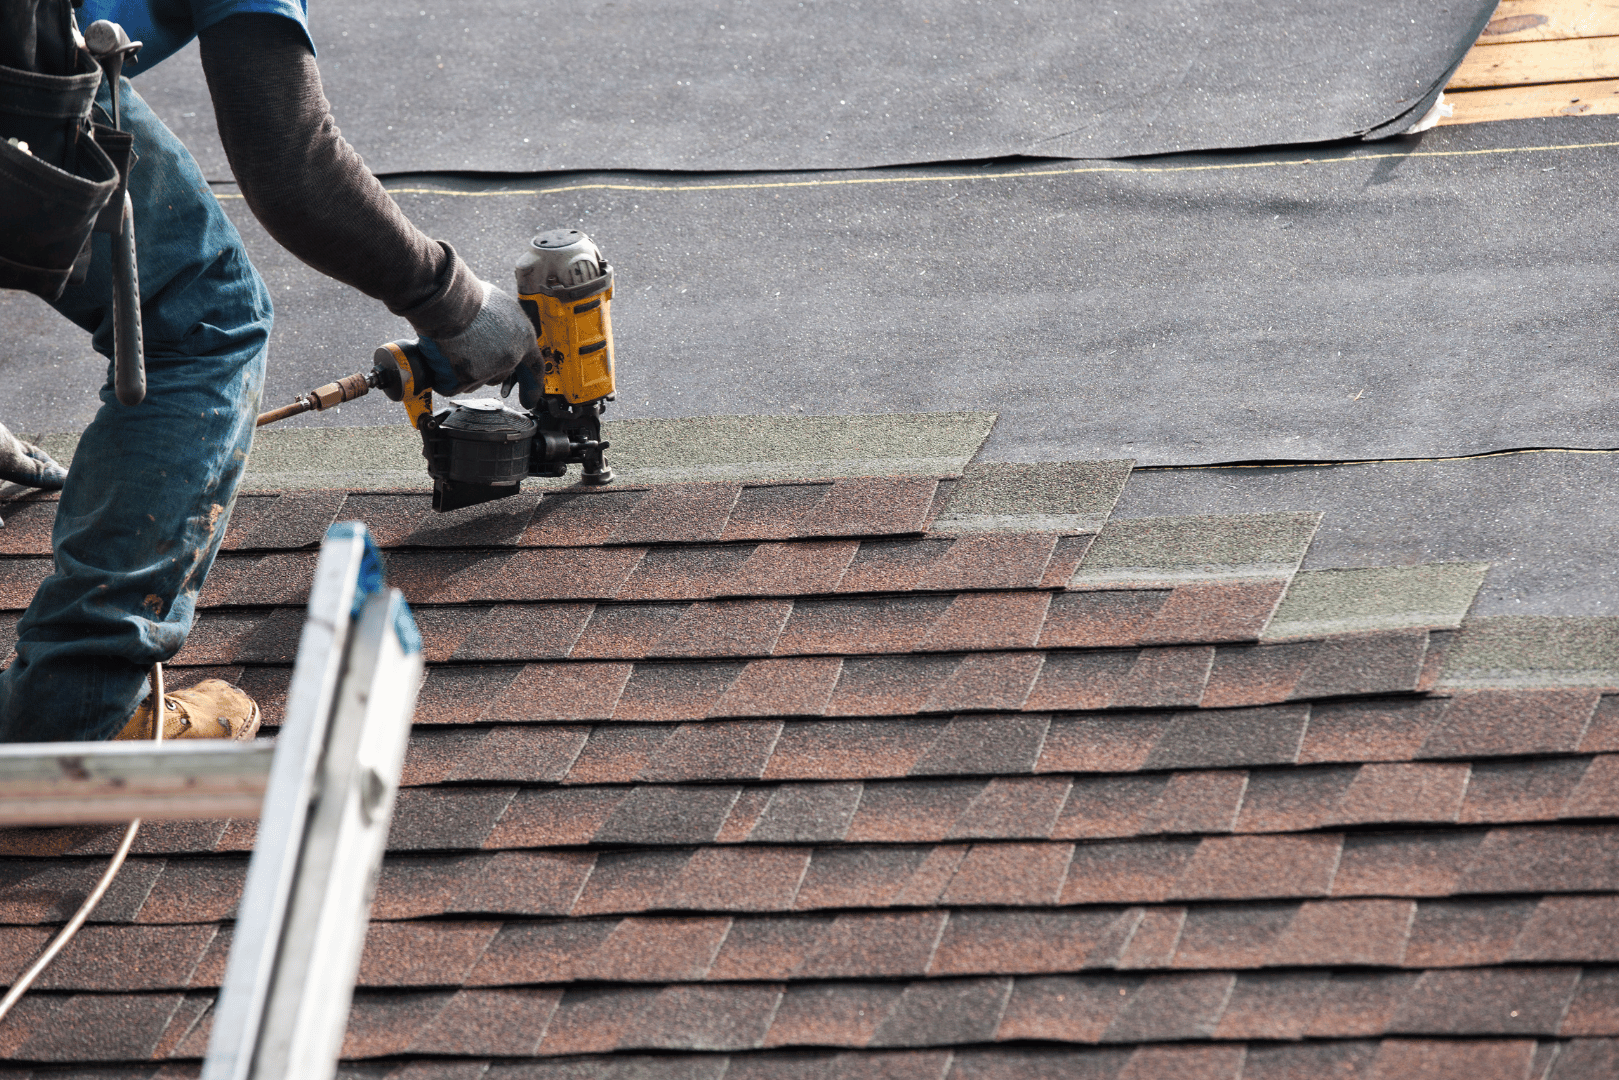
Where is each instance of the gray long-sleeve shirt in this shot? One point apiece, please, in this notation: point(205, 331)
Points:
point(309, 188)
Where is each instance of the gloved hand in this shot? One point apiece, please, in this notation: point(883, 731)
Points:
point(526, 376)
point(26, 464)
point(499, 338)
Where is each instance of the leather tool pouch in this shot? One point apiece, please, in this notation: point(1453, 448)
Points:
point(52, 193)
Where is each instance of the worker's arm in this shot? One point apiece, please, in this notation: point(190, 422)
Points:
point(312, 192)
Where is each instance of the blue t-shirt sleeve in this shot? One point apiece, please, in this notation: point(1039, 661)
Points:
point(164, 27)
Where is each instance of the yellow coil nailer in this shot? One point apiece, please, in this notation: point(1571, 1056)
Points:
point(479, 449)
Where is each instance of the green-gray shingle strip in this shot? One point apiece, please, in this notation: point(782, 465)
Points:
point(1048, 496)
point(704, 448)
point(1163, 552)
point(1323, 602)
point(1533, 651)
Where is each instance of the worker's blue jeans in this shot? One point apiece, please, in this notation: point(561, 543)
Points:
point(151, 486)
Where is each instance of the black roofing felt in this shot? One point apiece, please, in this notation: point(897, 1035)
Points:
point(1545, 522)
point(1452, 298)
point(500, 86)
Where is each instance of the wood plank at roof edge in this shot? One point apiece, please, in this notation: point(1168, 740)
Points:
point(1527, 102)
point(1530, 62)
point(1551, 20)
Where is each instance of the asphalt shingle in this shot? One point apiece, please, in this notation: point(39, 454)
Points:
point(901, 778)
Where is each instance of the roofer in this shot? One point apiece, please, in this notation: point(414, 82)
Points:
point(147, 499)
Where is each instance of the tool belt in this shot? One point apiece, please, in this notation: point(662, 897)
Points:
point(53, 192)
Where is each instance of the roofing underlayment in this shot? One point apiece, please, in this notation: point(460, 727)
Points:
point(899, 777)
point(700, 86)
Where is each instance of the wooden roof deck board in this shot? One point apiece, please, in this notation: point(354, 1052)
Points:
point(1540, 58)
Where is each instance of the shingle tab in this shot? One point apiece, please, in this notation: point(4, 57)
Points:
point(851, 749)
point(884, 566)
point(677, 513)
point(807, 813)
point(874, 945)
point(1273, 1005)
point(804, 568)
point(1011, 808)
point(427, 819)
point(1518, 1001)
point(1521, 791)
point(1004, 744)
point(1394, 864)
point(993, 942)
point(889, 685)
point(988, 620)
point(524, 632)
point(1010, 874)
point(579, 518)
point(797, 686)
point(1379, 730)
point(1148, 552)
point(29, 522)
point(1427, 596)
point(504, 1023)
point(875, 624)
point(860, 876)
point(1126, 872)
point(1495, 1059)
point(1069, 1009)
point(678, 573)
point(944, 1012)
point(772, 511)
point(1117, 618)
point(991, 562)
point(1231, 936)
point(832, 1014)
point(555, 574)
point(987, 682)
point(914, 811)
point(723, 751)
point(1527, 652)
point(552, 817)
point(1224, 737)
point(89, 1027)
point(1100, 745)
point(1258, 867)
point(556, 691)
point(423, 954)
point(1342, 933)
point(1391, 793)
point(1172, 1007)
point(1511, 722)
point(1466, 933)
point(1047, 496)
point(668, 815)
point(869, 507)
point(711, 628)
point(668, 692)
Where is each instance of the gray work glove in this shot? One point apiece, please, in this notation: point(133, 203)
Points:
point(26, 464)
point(498, 339)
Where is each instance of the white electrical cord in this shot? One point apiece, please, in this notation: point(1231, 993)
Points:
point(65, 935)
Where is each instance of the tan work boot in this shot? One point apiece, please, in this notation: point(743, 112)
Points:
point(213, 709)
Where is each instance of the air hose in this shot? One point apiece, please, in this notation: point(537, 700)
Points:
point(65, 935)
